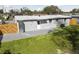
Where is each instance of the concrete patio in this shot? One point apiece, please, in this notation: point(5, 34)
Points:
point(16, 36)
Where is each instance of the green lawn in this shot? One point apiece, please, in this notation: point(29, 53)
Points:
point(42, 44)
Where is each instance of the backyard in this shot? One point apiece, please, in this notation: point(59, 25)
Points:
point(42, 44)
point(60, 41)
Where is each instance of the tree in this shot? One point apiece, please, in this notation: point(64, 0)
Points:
point(35, 12)
point(51, 10)
point(1, 11)
point(71, 33)
point(74, 11)
point(11, 11)
point(26, 11)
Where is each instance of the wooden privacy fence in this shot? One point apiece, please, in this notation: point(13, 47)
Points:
point(8, 28)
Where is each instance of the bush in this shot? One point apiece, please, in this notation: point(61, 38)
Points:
point(71, 33)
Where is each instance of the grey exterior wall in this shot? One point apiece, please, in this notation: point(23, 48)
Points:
point(21, 26)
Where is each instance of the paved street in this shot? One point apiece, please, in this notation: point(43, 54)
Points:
point(16, 36)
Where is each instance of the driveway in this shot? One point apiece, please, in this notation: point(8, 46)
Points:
point(16, 36)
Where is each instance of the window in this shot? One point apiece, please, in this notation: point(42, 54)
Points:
point(50, 20)
point(38, 22)
point(42, 21)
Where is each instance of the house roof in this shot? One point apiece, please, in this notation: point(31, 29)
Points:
point(42, 17)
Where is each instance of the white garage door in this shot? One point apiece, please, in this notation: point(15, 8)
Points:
point(30, 26)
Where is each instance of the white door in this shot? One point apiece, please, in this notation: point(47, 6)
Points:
point(30, 26)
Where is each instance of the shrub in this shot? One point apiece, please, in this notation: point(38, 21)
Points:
point(71, 33)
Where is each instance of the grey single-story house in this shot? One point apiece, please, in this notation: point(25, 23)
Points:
point(34, 23)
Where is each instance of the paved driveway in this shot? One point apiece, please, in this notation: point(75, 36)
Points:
point(16, 36)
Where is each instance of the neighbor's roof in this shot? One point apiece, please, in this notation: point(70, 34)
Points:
point(41, 17)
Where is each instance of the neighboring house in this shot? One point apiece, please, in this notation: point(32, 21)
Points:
point(34, 23)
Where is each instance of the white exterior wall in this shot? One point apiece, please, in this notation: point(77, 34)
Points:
point(47, 25)
point(67, 22)
point(54, 24)
point(30, 26)
point(34, 26)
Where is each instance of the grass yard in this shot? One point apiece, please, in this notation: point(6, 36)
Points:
point(43, 44)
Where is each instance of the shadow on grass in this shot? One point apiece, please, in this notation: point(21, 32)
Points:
point(7, 52)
